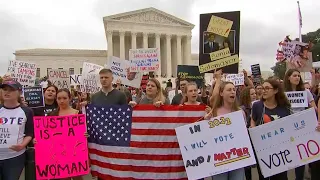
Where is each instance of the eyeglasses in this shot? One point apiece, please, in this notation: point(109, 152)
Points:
point(266, 88)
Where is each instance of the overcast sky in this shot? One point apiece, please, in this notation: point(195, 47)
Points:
point(77, 24)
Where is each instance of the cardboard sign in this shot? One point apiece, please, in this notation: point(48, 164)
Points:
point(121, 70)
point(9, 134)
point(75, 79)
point(90, 78)
point(215, 146)
point(219, 64)
point(23, 72)
point(236, 79)
point(144, 60)
point(59, 78)
point(255, 70)
point(298, 98)
point(34, 96)
point(219, 26)
point(190, 73)
point(286, 143)
point(61, 149)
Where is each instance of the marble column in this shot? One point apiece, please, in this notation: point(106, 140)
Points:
point(122, 46)
point(188, 50)
point(110, 43)
point(158, 46)
point(179, 52)
point(168, 51)
point(133, 40)
point(145, 40)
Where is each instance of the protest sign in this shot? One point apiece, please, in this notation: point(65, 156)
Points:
point(22, 72)
point(286, 143)
point(219, 26)
point(219, 31)
point(236, 79)
point(190, 73)
point(297, 98)
point(218, 145)
point(144, 60)
point(61, 149)
point(255, 70)
point(121, 70)
point(9, 133)
point(75, 79)
point(288, 49)
point(34, 96)
point(59, 78)
point(90, 78)
point(219, 64)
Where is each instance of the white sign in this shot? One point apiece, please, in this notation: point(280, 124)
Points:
point(23, 72)
point(297, 98)
point(286, 143)
point(8, 135)
point(236, 79)
point(75, 79)
point(215, 146)
point(90, 78)
point(121, 70)
point(59, 78)
point(144, 60)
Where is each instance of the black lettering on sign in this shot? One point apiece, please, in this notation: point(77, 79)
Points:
point(55, 170)
point(195, 162)
point(196, 128)
point(277, 159)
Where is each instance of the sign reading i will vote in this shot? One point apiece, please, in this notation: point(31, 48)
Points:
point(61, 149)
point(297, 98)
point(236, 79)
point(8, 134)
point(286, 143)
point(34, 96)
point(144, 60)
point(215, 146)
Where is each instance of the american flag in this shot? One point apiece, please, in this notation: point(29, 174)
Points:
point(139, 144)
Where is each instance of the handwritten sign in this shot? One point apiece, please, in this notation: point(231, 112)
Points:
point(219, 63)
point(220, 54)
point(34, 96)
point(219, 26)
point(22, 72)
point(61, 149)
point(75, 79)
point(236, 79)
point(297, 98)
point(90, 78)
point(59, 78)
point(286, 143)
point(8, 134)
point(216, 146)
point(144, 60)
point(121, 70)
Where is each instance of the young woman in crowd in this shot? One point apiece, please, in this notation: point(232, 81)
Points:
point(82, 98)
point(274, 105)
point(191, 91)
point(50, 102)
point(12, 159)
point(259, 91)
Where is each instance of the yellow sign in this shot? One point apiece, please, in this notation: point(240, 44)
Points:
point(220, 26)
point(220, 54)
point(219, 63)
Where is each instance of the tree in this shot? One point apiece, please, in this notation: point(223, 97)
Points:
point(279, 69)
point(314, 38)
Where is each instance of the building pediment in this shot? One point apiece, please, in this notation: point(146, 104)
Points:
point(149, 16)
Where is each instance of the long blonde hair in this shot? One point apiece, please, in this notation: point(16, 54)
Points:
point(185, 98)
point(218, 102)
point(159, 95)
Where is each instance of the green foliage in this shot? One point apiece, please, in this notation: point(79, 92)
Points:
point(279, 69)
point(313, 37)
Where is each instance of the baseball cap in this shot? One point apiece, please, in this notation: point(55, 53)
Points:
point(14, 84)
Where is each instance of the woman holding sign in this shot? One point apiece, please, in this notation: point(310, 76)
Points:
point(16, 131)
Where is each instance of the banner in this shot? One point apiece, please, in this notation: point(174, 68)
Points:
point(90, 78)
point(61, 149)
point(286, 143)
point(219, 64)
point(9, 133)
point(215, 146)
point(34, 96)
point(297, 98)
point(236, 79)
point(219, 38)
point(22, 72)
point(121, 70)
point(190, 73)
point(75, 80)
point(144, 60)
point(59, 78)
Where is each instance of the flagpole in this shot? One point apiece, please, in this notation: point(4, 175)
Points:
point(300, 22)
